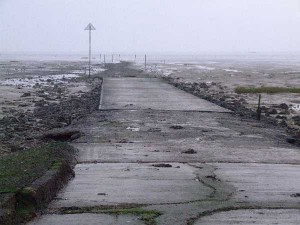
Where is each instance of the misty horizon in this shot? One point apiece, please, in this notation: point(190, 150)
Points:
point(168, 26)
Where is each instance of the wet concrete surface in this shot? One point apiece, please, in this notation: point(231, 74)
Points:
point(149, 136)
point(231, 158)
point(249, 217)
point(274, 184)
point(119, 183)
point(150, 93)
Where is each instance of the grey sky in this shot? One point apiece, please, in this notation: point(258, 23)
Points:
point(150, 25)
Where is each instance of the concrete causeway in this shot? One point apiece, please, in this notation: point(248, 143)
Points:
point(178, 158)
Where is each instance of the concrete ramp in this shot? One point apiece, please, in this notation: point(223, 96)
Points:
point(150, 93)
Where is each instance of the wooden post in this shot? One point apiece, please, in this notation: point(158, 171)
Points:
point(112, 58)
point(145, 62)
point(258, 108)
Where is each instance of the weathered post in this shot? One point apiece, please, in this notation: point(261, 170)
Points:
point(258, 108)
point(104, 59)
point(90, 27)
point(112, 58)
point(145, 62)
point(100, 57)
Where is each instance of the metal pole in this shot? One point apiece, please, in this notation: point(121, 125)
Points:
point(90, 51)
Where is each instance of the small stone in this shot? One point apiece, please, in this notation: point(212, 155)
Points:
point(273, 111)
point(162, 165)
point(176, 127)
point(291, 140)
point(296, 195)
point(75, 136)
point(189, 151)
point(296, 120)
point(27, 94)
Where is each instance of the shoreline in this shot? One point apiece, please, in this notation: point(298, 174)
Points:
point(202, 84)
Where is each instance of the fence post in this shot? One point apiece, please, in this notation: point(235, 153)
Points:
point(258, 108)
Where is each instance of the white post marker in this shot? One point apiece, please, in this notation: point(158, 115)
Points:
point(90, 27)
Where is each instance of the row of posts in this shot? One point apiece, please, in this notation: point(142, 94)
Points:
point(135, 57)
point(112, 60)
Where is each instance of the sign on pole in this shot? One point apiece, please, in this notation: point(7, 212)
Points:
point(90, 27)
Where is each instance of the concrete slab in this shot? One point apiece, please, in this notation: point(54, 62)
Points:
point(166, 151)
point(148, 136)
point(86, 218)
point(145, 93)
point(250, 217)
point(117, 183)
point(268, 184)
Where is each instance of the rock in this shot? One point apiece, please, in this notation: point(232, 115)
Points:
point(26, 94)
point(176, 127)
point(162, 165)
point(284, 112)
point(283, 106)
point(296, 195)
point(75, 136)
point(189, 151)
point(272, 111)
point(203, 85)
point(264, 108)
point(291, 140)
point(281, 117)
point(62, 135)
point(296, 120)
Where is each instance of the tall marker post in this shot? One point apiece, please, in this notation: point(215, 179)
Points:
point(90, 27)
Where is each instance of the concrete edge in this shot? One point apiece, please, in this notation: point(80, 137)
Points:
point(239, 109)
point(24, 205)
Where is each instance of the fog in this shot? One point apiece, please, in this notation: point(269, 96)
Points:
point(150, 25)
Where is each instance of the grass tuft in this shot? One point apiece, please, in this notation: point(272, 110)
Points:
point(147, 216)
point(21, 168)
point(266, 89)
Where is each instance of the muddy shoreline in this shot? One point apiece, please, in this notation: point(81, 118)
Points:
point(49, 98)
point(280, 115)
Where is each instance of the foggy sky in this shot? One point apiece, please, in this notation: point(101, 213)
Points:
point(150, 25)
